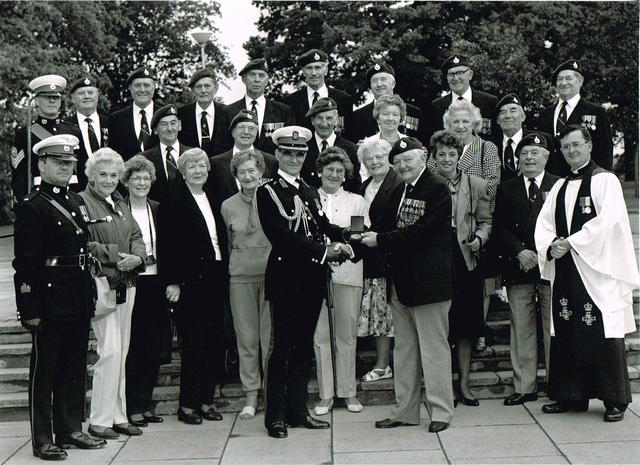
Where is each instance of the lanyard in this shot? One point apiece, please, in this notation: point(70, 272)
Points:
point(153, 248)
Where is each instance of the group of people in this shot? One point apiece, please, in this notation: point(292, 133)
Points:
point(315, 225)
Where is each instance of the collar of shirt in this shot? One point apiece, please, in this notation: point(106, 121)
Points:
point(210, 111)
point(261, 102)
point(290, 179)
point(467, 95)
point(322, 92)
point(576, 170)
point(413, 184)
point(571, 104)
point(516, 138)
point(175, 154)
point(236, 150)
point(538, 182)
point(95, 123)
point(148, 110)
point(331, 140)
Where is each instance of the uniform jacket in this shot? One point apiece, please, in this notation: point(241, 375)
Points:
point(122, 132)
point(299, 102)
point(514, 224)
point(484, 101)
point(419, 255)
point(505, 172)
point(310, 174)
point(276, 115)
point(589, 115)
point(160, 188)
point(364, 125)
point(41, 231)
point(189, 133)
point(71, 127)
point(221, 182)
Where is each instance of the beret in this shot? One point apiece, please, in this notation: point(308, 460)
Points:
point(312, 56)
point(572, 64)
point(291, 137)
point(380, 68)
point(243, 116)
point(322, 104)
point(507, 99)
point(86, 81)
point(143, 72)
point(454, 61)
point(201, 73)
point(50, 84)
point(60, 146)
point(404, 144)
point(258, 63)
point(160, 113)
point(533, 138)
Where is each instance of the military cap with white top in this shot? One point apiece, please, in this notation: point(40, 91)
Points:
point(50, 84)
point(59, 146)
point(291, 138)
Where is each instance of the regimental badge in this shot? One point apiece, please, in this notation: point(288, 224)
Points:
point(565, 313)
point(585, 205)
point(588, 318)
point(25, 288)
point(87, 82)
point(376, 67)
point(146, 72)
point(403, 144)
point(316, 57)
point(329, 104)
point(536, 139)
point(16, 157)
point(515, 100)
point(52, 86)
point(589, 122)
point(66, 148)
point(172, 110)
point(295, 135)
point(250, 115)
point(575, 65)
point(456, 60)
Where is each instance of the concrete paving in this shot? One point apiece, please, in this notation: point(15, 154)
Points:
point(491, 434)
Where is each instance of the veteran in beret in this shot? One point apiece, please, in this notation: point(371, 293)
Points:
point(54, 298)
point(571, 108)
point(314, 64)
point(204, 123)
point(271, 114)
point(129, 127)
point(292, 218)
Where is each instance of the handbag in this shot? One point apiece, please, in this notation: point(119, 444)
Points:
point(106, 298)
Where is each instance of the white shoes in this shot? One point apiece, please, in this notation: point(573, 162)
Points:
point(378, 374)
point(354, 406)
point(322, 409)
point(248, 412)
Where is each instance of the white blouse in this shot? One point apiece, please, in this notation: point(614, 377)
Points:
point(207, 213)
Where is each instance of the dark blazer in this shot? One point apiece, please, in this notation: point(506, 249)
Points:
point(310, 175)
point(419, 255)
point(375, 265)
point(221, 182)
point(71, 127)
point(484, 101)
point(122, 133)
point(364, 125)
point(189, 133)
point(600, 130)
point(276, 115)
point(299, 102)
point(514, 224)
point(505, 172)
point(160, 188)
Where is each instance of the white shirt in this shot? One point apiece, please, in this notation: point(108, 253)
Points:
point(516, 138)
point(571, 105)
point(331, 140)
point(148, 110)
point(95, 124)
point(322, 93)
point(467, 95)
point(261, 105)
point(144, 218)
point(211, 113)
point(207, 213)
point(527, 182)
point(175, 153)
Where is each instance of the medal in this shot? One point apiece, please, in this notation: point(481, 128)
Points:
point(585, 205)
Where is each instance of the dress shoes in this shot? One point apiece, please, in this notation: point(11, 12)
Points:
point(103, 433)
point(469, 401)
point(518, 399)
point(80, 440)
point(389, 423)
point(323, 409)
point(127, 429)
point(49, 451)
point(437, 426)
point(561, 407)
point(152, 418)
point(277, 429)
point(613, 414)
point(309, 422)
point(189, 418)
point(210, 414)
point(139, 423)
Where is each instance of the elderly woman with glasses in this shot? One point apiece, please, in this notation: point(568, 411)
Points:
point(193, 250)
point(119, 246)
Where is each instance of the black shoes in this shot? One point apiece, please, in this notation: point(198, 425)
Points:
point(613, 414)
point(126, 428)
point(469, 401)
point(210, 414)
point(437, 426)
point(561, 407)
point(139, 423)
point(80, 440)
point(277, 429)
point(189, 418)
point(49, 451)
point(389, 423)
point(106, 433)
point(519, 399)
point(152, 418)
point(309, 422)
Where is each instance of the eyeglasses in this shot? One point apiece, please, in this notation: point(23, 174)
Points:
point(572, 146)
point(145, 179)
point(456, 74)
point(370, 158)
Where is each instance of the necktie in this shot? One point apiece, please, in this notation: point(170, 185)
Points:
point(533, 191)
point(254, 107)
point(508, 156)
point(324, 145)
point(144, 135)
point(204, 130)
point(172, 166)
point(315, 98)
point(562, 117)
point(93, 139)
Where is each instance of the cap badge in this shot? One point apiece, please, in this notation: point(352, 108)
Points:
point(316, 56)
point(250, 115)
point(66, 148)
point(87, 82)
point(456, 60)
point(376, 67)
point(403, 144)
point(52, 86)
point(146, 72)
point(172, 110)
point(515, 100)
point(536, 139)
point(575, 65)
point(329, 104)
point(295, 135)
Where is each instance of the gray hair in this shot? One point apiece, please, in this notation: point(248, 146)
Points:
point(463, 105)
point(246, 155)
point(389, 100)
point(137, 163)
point(192, 156)
point(366, 147)
point(103, 156)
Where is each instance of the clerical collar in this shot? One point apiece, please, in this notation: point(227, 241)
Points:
point(576, 174)
point(294, 181)
point(53, 189)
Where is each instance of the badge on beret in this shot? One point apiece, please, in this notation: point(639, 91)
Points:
point(172, 110)
point(295, 135)
point(376, 67)
point(575, 65)
point(25, 289)
point(515, 100)
point(66, 148)
point(87, 82)
point(403, 144)
point(316, 56)
point(456, 60)
point(250, 115)
point(146, 72)
point(536, 139)
point(329, 104)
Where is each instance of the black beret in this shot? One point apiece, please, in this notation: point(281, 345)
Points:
point(380, 68)
point(571, 64)
point(258, 63)
point(143, 72)
point(507, 99)
point(322, 104)
point(454, 61)
point(242, 117)
point(166, 110)
point(533, 138)
point(404, 144)
point(86, 81)
point(201, 73)
point(312, 56)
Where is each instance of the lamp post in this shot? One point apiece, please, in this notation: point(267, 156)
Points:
point(201, 36)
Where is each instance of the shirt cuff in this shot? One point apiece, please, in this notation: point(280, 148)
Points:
point(324, 256)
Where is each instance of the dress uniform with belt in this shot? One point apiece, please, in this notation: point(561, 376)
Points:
point(54, 297)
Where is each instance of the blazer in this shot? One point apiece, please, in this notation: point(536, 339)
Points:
point(299, 102)
point(375, 265)
point(473, 215)
point(71, 127)
point(276, 115)
point(122, 132)
point(505, 172)
point(160, 188)
point(310, 174)
point(514, 224)
point(221, 182)
point(364, 125)
point(419, 255)
point(589, 115)
point(189, 133)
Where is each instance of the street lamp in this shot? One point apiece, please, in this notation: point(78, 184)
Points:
point(201, 36)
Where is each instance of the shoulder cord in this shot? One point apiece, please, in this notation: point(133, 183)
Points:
point(298, 208)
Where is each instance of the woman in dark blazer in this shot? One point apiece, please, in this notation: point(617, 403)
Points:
point(194, 254)
point(375, 314)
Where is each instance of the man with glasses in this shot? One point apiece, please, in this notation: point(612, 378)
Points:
point(571, 108)
point(585, 249)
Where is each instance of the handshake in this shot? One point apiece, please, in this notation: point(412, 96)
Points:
point(338, 253)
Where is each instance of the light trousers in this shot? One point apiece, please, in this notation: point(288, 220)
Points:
point(346, 307)
point(108, 399)
point(252, 322)
point(421, 343)
point(523, 337)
